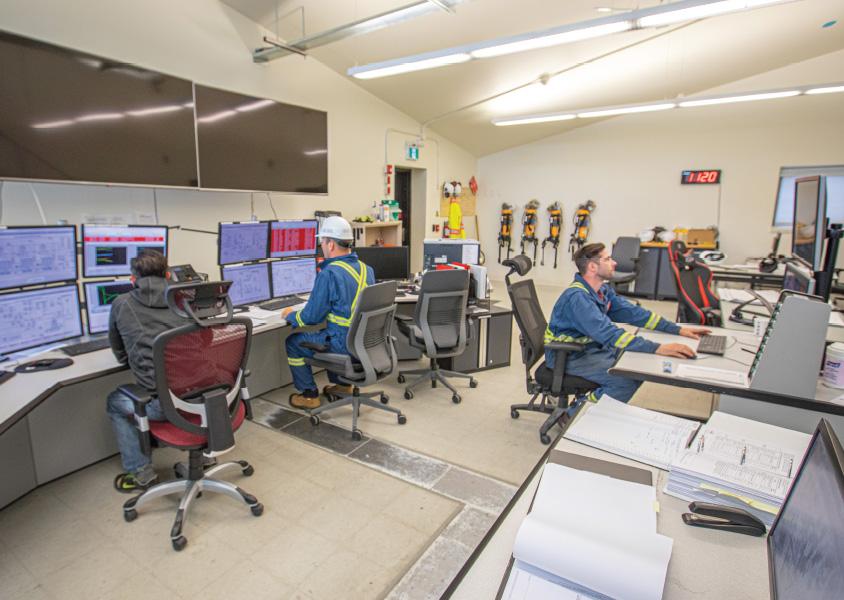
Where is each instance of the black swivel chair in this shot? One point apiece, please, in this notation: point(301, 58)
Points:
point(200, 372)
point(696, 303)
point(543, 383)
point(371, 358)
point(438, 328)
point(625, 252)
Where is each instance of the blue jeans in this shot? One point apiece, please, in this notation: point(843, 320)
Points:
point(593, 365)
point(303, 375)
point(121, 411)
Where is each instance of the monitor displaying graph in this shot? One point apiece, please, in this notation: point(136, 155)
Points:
point(36, 255)
point(107, 251)
point(99, 296)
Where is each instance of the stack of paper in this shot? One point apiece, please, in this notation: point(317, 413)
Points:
point(739, 462)
point(589, 535)
point(645, 435)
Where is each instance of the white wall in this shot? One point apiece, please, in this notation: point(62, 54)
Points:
point(207, 42)
point(630, 166)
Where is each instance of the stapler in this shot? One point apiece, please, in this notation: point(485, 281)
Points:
point(726, 518)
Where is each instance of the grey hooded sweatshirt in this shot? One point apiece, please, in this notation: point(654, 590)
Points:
point(135, 321)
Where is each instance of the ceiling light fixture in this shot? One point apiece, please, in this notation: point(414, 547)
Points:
point(623, 110)
point(664, 14)
point(740, 98)
point(535, 119)
point(826, 90)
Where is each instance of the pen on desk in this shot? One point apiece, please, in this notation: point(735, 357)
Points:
point(743, 455)
point(749, 351)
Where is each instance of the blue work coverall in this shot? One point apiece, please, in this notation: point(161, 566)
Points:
point(585, 316)
point(336, 290)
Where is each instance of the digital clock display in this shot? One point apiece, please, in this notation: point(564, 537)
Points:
point(707, 176)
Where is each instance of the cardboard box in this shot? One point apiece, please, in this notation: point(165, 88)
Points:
point(701, 237)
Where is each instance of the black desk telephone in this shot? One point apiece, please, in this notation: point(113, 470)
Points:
point(184, 274)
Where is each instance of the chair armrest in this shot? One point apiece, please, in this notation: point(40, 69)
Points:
point(140, 397)
point(404, 325)
point(314, 346)
point(562, 350)
point(564, 347)
point(137, 394)
point(405, 318)
point(334, 362)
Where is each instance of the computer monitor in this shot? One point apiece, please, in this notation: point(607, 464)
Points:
point(293, 238)
point(242, 242)
point(37, 317)
point(36, 255)
point(294, 276)
point(387, 262)
point(798, 279)
point(250, 283)
point(98, 298)
point(784, 207)
point(806, 541)
point(809, 229)
point(107, 251)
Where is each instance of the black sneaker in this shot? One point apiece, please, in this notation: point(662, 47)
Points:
point(128, 483)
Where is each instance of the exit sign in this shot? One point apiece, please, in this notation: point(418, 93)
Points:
point(411, 151)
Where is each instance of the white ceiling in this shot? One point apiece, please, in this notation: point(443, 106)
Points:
point(631, 67)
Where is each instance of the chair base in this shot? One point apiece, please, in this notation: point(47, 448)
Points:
point(190, 488)
point(435, 374)
point(356, 400)
point(557, 413)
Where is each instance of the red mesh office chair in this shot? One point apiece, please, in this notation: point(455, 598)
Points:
point(200, 371)
point(696, 303)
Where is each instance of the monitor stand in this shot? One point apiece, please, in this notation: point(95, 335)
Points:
point(823, 278)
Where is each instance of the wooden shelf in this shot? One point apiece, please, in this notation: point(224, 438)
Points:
point(378, 233)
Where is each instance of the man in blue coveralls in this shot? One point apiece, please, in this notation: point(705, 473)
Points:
point(336, 291)
point(585, 313)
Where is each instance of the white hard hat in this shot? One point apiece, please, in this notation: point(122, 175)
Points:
point(336, 228)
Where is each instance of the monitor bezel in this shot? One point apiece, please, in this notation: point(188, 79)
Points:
point(78, 317)
point(820, 224)
point(75, 255)
point(290, 259)
point(85, 274)
point(796, 268)
point(827, 436)
point(249, 265)
point(237, 262)
point(85, 285)
point(269, 238)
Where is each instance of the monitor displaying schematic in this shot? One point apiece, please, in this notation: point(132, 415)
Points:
point(37, 317)
point(293, 238)
point(295, 276)
point(242, 242)
point(37, 255)
point(107, 251)
point(250, 283)
point(99, 296)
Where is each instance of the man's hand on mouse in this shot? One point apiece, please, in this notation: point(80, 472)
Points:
point(675, 350)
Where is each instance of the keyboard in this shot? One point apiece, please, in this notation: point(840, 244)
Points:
point(86, 347)
point(281, 303)
point(712, 344)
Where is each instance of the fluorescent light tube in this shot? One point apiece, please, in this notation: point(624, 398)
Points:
point(53, 124)
point(407, 67)
point(826, 90)
point(216, 116)
point(624, 110)
point(254, 105)
point(99, 117)
point(153, 111)
point(529, 120)
point(700, 11)
point(742, 98)
point(556, 39)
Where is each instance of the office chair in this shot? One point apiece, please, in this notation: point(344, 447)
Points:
point(625, 252)
point(438, 328)
point(199, 374)
point(696, 303)
point(543, 383)
point(371, 358)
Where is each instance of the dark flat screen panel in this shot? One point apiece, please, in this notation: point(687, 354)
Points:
point(66, 115)
point(250, 143)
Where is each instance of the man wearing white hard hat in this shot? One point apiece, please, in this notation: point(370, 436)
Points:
point(336, 291)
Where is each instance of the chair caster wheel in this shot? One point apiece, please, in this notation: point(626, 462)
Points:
point(130, 515)
point(456, 398)
point(401, 419)
point(177, 473)
point(400, 379)
point(385, 399)
point(408, 395)
point(357, 435)
point(473, 383)
point(314, 420)
point(433, 383)
point(179, 543)
point(248, 471)
point(514, 414)
point(545, 439)
point(257, 509)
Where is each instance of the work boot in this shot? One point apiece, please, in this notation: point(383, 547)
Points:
point(335, 390)
point(305, 400)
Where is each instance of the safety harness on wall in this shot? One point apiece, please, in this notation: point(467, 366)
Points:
point(582, 222)
point(555, 227)
point(505, 230)
point(529, 222)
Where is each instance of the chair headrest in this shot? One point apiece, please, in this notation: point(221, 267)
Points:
point(521, 264)
point(207, 303)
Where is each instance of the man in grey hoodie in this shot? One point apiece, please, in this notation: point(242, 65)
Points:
point(136, 319)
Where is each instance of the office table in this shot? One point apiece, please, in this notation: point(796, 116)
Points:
point(748, 274)
point(705, 563)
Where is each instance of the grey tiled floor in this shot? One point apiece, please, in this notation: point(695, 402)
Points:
point(392, 515)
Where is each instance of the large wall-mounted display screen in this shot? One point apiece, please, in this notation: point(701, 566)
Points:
point(250, 143)
point(71, 116)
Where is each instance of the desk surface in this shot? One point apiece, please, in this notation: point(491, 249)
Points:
point(704, 563)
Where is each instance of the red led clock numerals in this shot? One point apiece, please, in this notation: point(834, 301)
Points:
point(708, 176)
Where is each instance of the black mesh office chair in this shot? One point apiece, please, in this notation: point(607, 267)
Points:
point(542, 383)
point(625, 252)
point(200, 371)
point(371, 358)
point(696, 302)
point(438, 328)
